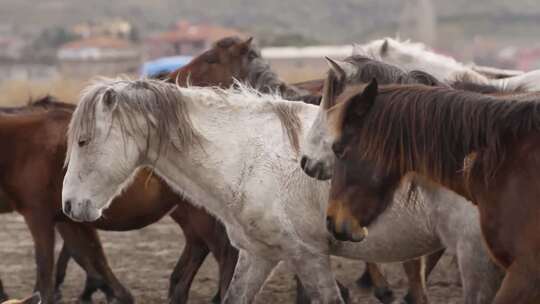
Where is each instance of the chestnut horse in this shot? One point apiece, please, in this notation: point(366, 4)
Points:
point(483, 148)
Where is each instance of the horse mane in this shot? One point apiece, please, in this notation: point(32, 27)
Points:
point(417, 49)
point(139, 105)
point(410, 51)
point(290, 122)
point(50, 102)
point(263, 79)
point(432, 130)
point(158, 103)
point(368, 69)
point(46, 102)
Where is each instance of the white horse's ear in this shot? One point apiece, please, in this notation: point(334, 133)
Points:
point(341, 68)
point(109, 99)
point(384, 47)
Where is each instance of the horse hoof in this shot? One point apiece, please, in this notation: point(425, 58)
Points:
point(127, 300)
point(408, 299)
point(58, 297)
point(384, 295)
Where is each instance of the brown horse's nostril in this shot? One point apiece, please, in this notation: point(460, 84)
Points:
point(67, 207)
point(339, 149)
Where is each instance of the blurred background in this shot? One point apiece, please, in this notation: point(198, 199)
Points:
point(54, 46)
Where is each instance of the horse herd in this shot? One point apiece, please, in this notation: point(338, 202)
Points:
point(409, 154)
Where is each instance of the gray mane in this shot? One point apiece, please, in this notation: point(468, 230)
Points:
point(137, 106)
point(263, 79)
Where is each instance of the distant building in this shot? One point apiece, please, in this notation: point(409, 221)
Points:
point(13, 65)
point(117, 28)
point(98, 56)
point(11, 48)
point(24, 71)
point(185, 39)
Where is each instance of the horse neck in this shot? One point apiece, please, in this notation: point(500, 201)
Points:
point(457, 184)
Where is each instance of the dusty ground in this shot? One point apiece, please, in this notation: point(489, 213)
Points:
point(143, 260)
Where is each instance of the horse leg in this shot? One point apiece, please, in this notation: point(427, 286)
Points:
point(3, 295)
point(85, 247)
point(381, 289)
point(417, 272)
point(194, 253)
point(42, 229)
point(249, 276)
point(227, 257)
point(185, 270)
point(302, 297)
point(61, 267)
point(316, 276)
point(480, 277)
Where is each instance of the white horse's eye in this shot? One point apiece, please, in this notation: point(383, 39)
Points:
point(82, 142)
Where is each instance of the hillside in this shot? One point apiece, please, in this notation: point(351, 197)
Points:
point(328, 21)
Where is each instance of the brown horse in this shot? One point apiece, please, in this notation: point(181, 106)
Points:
point(483, 148)
point(367, 184)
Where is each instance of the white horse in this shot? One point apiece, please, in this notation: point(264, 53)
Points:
point(417, 56)
point(221, 148)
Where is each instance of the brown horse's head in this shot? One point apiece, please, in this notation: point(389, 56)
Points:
point(228, 59)
point(359, 193)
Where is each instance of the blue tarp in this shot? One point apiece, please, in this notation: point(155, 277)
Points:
point(164, 64)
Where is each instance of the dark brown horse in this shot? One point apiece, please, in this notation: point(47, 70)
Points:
point(483, 148)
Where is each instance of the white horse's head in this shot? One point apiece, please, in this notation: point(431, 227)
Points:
point(318, 156)
point(118, 126)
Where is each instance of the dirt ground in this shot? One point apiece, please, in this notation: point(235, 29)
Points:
point(143, 259)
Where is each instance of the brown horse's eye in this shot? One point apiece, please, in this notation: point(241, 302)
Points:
point(338, 149)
